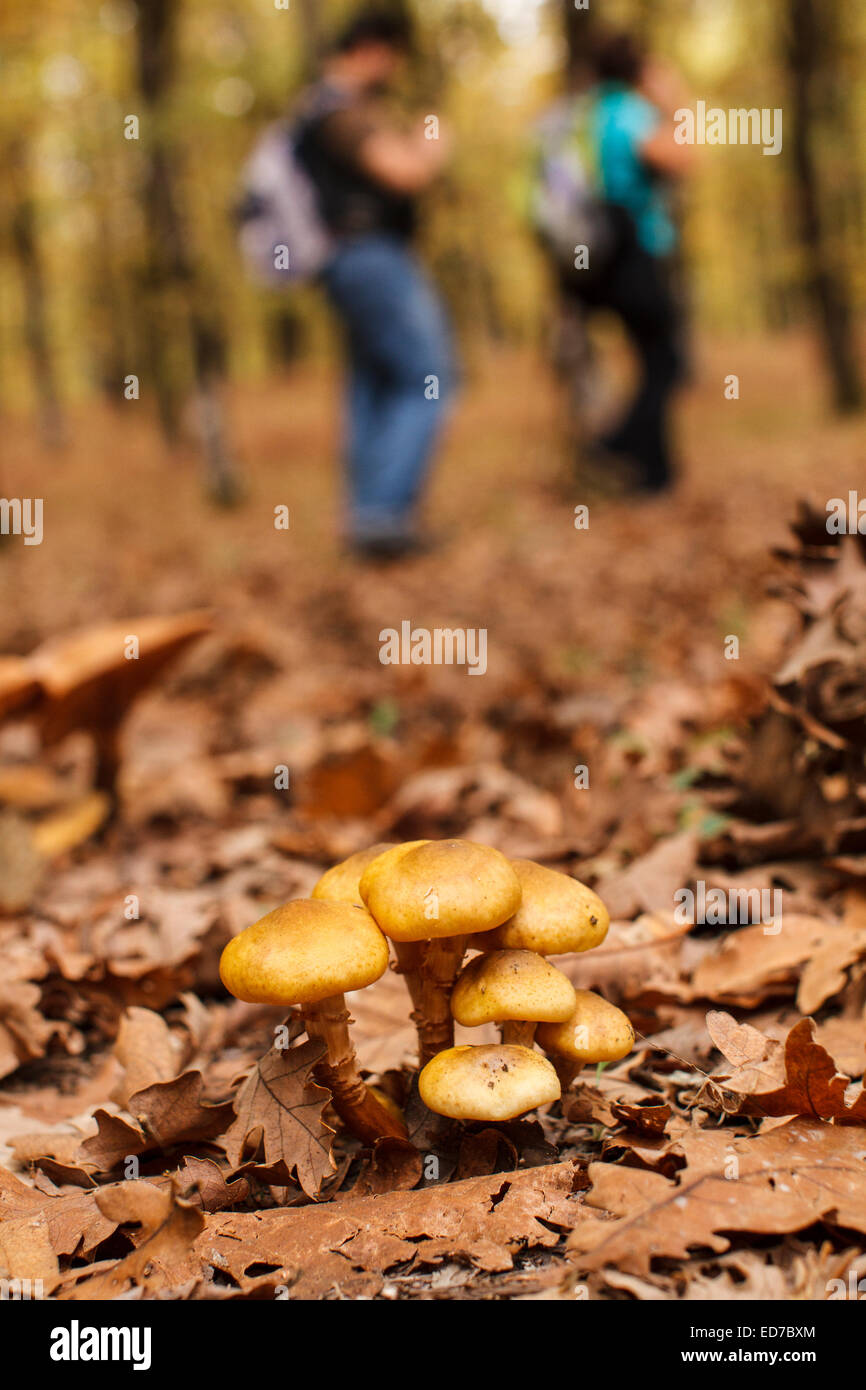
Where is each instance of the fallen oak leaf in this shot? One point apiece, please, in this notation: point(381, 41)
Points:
point(769, 1184)
point(394, 1165)
point(751, 964)
point(26, 1251)
point(797, 1078)
point(172, 1112)
point(116, 1140)
point(57, 1154)
point(279, 1109)
point(350, 1245)
point(825, 973)
point(649, 1116)
point(75, 1224)
point(205, 1182)
point(160, 1116)
point(650, 882)
point(146, 1050)
point(170, 1225)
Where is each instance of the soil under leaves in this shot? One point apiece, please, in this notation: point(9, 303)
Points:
point(151, 1135)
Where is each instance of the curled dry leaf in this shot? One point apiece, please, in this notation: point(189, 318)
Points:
point(347, 1247)
point(203, 1181)
point(117, 1138)
point(75, 1224)
point(648, 884)
point(160, 1116)
point(798, 1077)
point(751, 964)
point(145, 1049)
point(169, 1226)
point(173, 1112)
point(773, 1183)
point(279, 1110)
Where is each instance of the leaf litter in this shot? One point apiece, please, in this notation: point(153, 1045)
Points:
point(158, 1143)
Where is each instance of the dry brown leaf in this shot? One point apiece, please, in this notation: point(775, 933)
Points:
point(169, 1226)
point(349, 1246)
point(797, 1078)
point(394, 1165)
point(24, 1032)
point(751, 964)
point(649, 883)
point(774, 1183)
point(279, 1109)
point(145, 1049)
point(26, 1250)
point(172, 1112)
point(204, 1181)
point(75, 1223)
point(116, 1139)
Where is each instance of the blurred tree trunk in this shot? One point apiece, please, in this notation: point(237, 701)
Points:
point(310, 12)
point(811, 59)
point(577, 26)
point(25, 244)
point(109, 311)
point(173, 295)
point(569, 346)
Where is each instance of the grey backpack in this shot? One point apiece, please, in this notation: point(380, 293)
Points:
point(282, 236)
point(567, 206)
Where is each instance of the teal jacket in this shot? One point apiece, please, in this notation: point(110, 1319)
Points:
point(621, 121)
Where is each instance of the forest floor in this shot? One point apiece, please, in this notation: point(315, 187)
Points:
point(606, 649)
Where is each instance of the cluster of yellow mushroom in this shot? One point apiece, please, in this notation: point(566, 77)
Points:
point(434, 899)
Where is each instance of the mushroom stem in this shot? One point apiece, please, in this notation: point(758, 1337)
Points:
point(521, 1033)
point(440, 967)
point(566, 1069)
point(409, 955)
point(430, 1029)
point(430, 969)
point(353, 1101)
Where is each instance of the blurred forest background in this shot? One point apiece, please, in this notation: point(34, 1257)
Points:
point(118, 256)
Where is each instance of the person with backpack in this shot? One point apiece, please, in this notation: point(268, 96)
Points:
point(347, 179)
point(606, 159)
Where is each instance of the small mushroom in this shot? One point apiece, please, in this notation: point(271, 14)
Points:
point(341, 884)
point(596, 1031)
point(428, 896)
point(308, 953)
point(557, 915)
point(518, 989)
point(495, 1082)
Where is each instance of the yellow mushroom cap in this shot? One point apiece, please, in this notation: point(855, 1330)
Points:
point(304, 951)
point(438, 888)
point(383, 865)
point(342, 883)
point(597, 1031)
point(557, 914)
point(507, 985)
point(495, 1082)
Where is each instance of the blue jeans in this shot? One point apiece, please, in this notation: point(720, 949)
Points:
point(401, 377)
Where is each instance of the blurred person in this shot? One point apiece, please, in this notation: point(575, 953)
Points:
point(611, 157)
point(368, 174)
